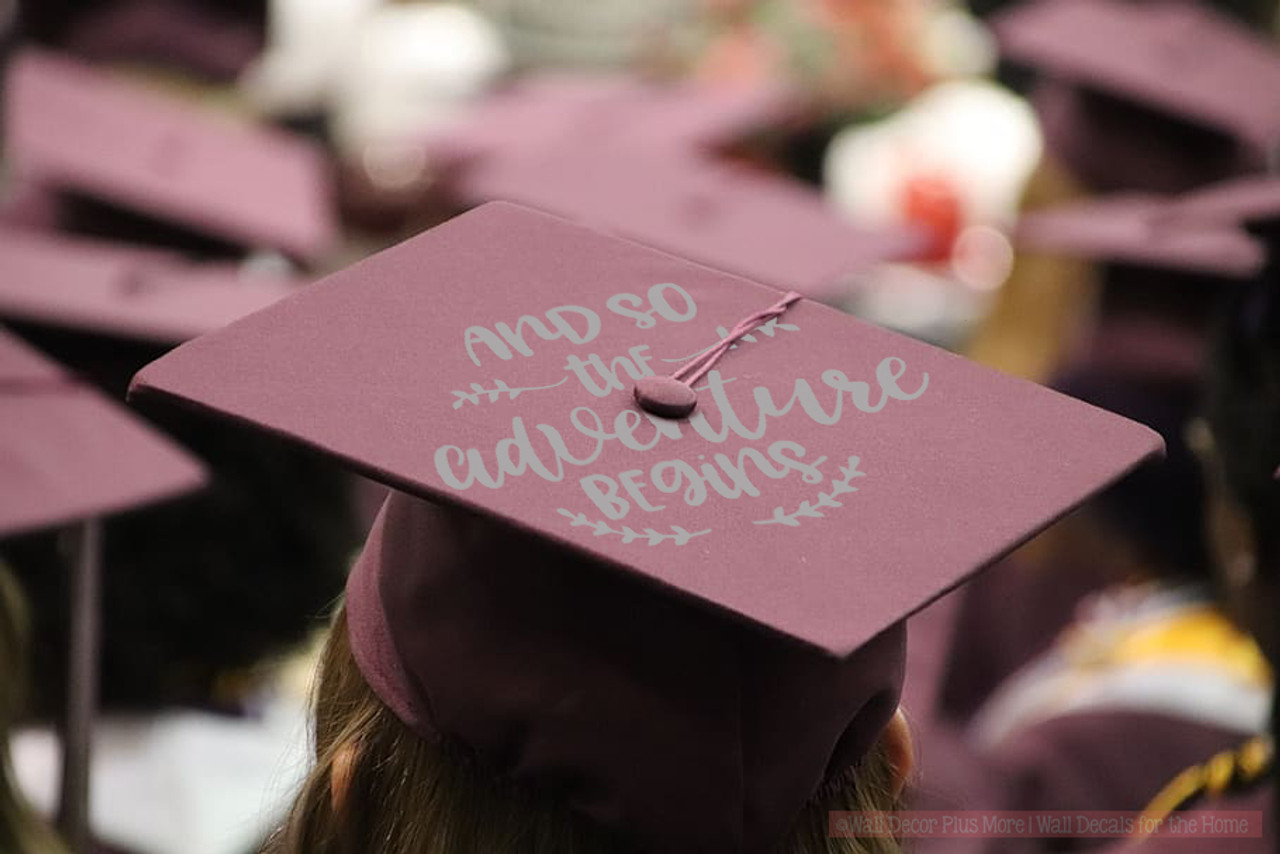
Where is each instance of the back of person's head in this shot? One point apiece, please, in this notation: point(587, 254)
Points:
point(376, 785)
point(21, 832)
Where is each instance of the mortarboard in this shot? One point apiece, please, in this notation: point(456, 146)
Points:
point(160, 156)
point(1140, 230)
point(69, 455)
point(547, 110)
point(1179, 57)
point(731, 217)
point(1253, 203)
point(124, 291)
point(1163, 275)
point(1159, 70)
point(637, 159)
point(684, 625)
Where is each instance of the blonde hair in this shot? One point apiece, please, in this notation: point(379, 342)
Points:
point(21, 831)
point(406, 795)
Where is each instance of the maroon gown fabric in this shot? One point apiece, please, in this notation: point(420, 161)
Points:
point(1261, 799)
point(1077, 762)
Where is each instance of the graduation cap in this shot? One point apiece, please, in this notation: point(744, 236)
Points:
point(1154, 95)
point(1252, 203)
point(544, 111)
point(124, 291)
point(70, 456)
point(1142, 230)
point(1164, 273)
point(725, 215)
point(74, 127)
point(684, 625)
point(638, 159)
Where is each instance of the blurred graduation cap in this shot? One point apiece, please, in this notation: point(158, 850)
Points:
point(66, 453)
point(77, 129)
point(69, 456)
point(124, 291)
point(1163, 275)
point(728, 216)
point(1251, 203)
point(1141, 230)
point(1160, 95)
point(638, 159)
point(685, 624)
point(542, 112)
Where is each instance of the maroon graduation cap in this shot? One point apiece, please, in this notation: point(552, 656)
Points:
point(1169, 266)
point(684, 624)
point(124, 291)
point(29, 206)
point(69, 456)
point(1143, 231)
point(541, 112)
point(1253, 202)
point(638, 159)
point(76, 128)
point(1166, 58)
point(727, 216)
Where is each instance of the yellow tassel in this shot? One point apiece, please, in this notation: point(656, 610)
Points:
point(1223, 772)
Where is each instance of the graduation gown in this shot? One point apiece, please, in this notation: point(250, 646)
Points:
point(1261, 798)
point(1120, 705)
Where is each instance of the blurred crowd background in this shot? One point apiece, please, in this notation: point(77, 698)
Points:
point(993, 177)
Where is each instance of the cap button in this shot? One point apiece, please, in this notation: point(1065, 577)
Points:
point(665, 396)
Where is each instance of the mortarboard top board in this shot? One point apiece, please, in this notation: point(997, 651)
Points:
point(558, 567)
point(1178, 57)
point(29, 206)
point(633, 157)
point(70, 455)
point(739, 219)
point(1252, 202)
point(67, 453)
point(74, 127)
point(1138, 230)
point(124, 291)
point(540, 112)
